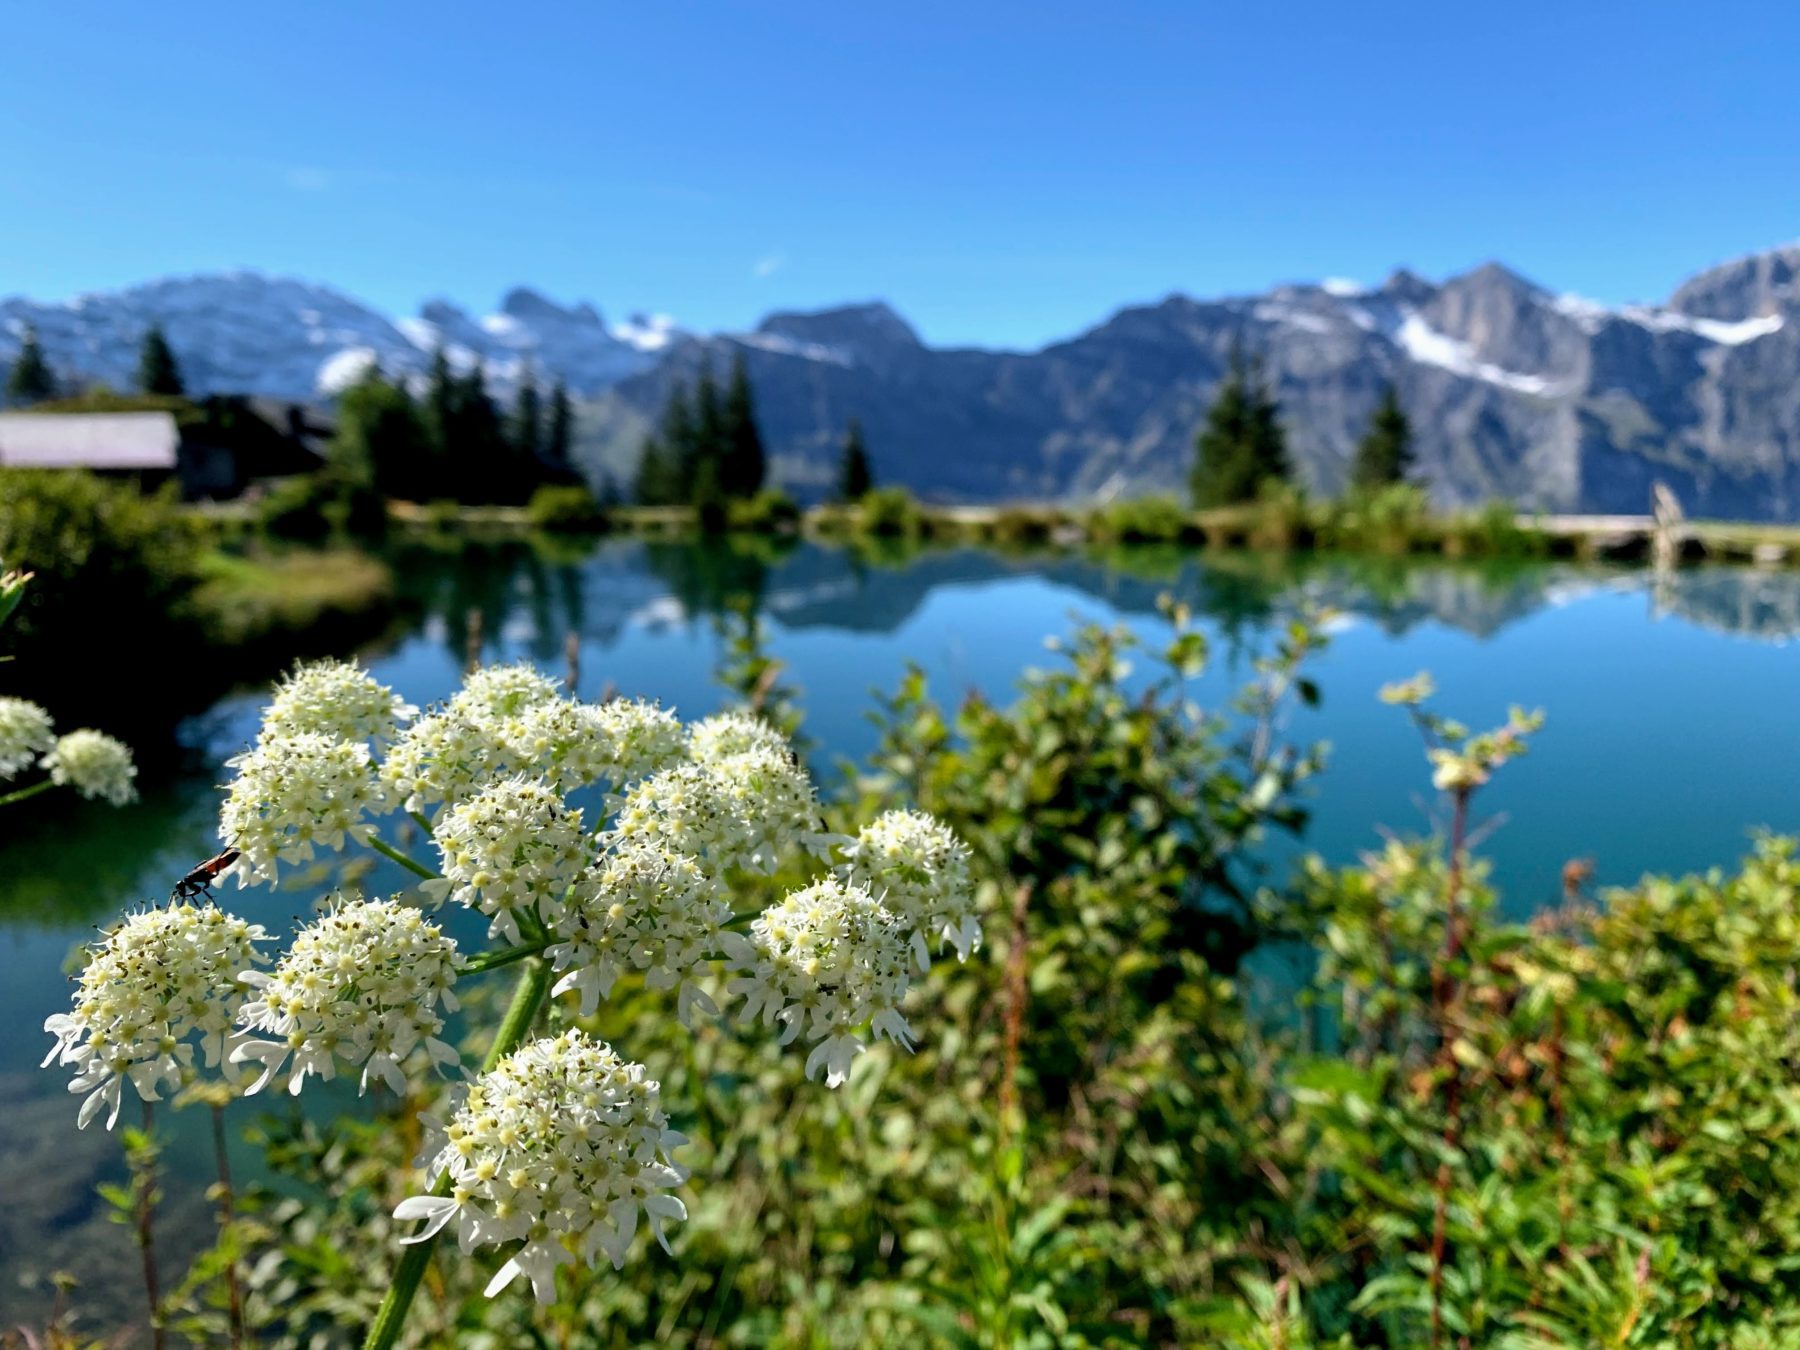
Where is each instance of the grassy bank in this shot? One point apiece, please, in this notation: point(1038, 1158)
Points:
point(307, 600)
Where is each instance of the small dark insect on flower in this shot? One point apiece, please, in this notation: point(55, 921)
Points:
point(200, 880)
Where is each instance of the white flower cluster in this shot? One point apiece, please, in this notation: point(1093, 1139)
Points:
point(159, 977)
point(560, 1147)
point(742, 811)
point(362, 984)
point(445, 757)
point(916, 867)
point(95, 765)
point(712, 740)
point(334, 698)
point(641, 908)
point(822, 963)
point(512, 848)
point(644, 738)
point(502, 691)
point(292, 794)
point(573, 744)
point(25, 733)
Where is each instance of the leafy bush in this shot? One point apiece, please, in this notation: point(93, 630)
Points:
point(571, 508)
point(1142, 520)
point(115, 568)
point(1491, 532)
point(891, 512)
point(1393, 519)
point(770, 511)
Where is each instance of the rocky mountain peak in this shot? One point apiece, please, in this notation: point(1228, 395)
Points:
point(1744, 288)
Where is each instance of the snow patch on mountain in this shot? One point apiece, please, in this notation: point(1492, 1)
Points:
point(1423, 343)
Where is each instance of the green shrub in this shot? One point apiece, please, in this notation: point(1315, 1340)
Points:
point(1141, 520)
point(1393, 519)
point(571, 508)
point(1280, 518)
point(296, 509)
point(891, 512)
point(1018, 526)
point(115, 569)
point(1491, 532)
point(770, 511)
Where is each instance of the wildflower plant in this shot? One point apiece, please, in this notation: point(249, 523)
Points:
point(558, 1148)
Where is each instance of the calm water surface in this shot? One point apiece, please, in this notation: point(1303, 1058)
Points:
point(1670, 737)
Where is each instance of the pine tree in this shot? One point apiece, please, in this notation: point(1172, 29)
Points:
point(559, 438)
point(706, 441)
point(1384, 455)
point(855, 477)
point(744, 464)
point(30, 380)
point(477, 445)
point(528, 421)
point(157, 372)
point(380, 443)
point(1241, 445)
point(438, 418)
point(666, 467)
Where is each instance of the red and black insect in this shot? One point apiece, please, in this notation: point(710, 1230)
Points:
point(200, 880)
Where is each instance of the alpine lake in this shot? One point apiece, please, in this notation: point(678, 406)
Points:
point(1666, 747)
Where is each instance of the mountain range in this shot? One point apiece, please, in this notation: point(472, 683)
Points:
point(1514, 390)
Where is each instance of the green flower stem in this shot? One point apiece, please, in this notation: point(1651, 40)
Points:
point(25, 793)
point(387, 850)
point(390, 1318)
point(419, 819)
point(504, 957)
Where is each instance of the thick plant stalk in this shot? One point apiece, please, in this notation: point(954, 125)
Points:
point(390, 1318)
point(146, 1235)
point(234, 1296)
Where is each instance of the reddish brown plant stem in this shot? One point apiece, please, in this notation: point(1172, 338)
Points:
point(1014, 1022)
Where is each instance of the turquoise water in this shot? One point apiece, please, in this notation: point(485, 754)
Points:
point(1668, 739)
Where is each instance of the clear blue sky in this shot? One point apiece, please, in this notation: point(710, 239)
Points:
point(1003, 173)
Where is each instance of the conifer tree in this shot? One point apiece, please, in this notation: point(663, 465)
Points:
point(706, 441)
point(1384, 455)
point(1241, 445)
point(30, 380)
point(528, 421)
point(855, 477)
point(438, 419)
point(478, 443)
point(157, 372)
point(560, 435)
point(380, 441)
point(665, 470)
point(744, 464)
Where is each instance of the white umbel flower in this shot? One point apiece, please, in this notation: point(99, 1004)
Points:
point(25, 733)
point(917, 868)
point(645, 739)
point(561, 1146)
point(562, 742)
point(822, 963)
point(335, 698)
point(515, 847)
point(157, 979)
point(641, 908)
point(295, 795)
point(446, 757)
point(503, 691)
point(725, 734)
point(95, 765)
point(744, 811)
point(361, 985)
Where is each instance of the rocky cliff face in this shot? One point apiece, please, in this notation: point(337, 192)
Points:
point(1515, 391)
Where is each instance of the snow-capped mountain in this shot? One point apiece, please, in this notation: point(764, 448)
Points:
point(1514, 391)
point(241, 332)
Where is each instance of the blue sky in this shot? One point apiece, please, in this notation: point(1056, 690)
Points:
point(1003, 173)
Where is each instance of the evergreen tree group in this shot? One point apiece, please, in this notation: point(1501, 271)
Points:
point(706, 450)
point(856, 479)
point(30, 381)
point(1384, 455)
point(157, 372)
point(1241, 446)
point(454, 442)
